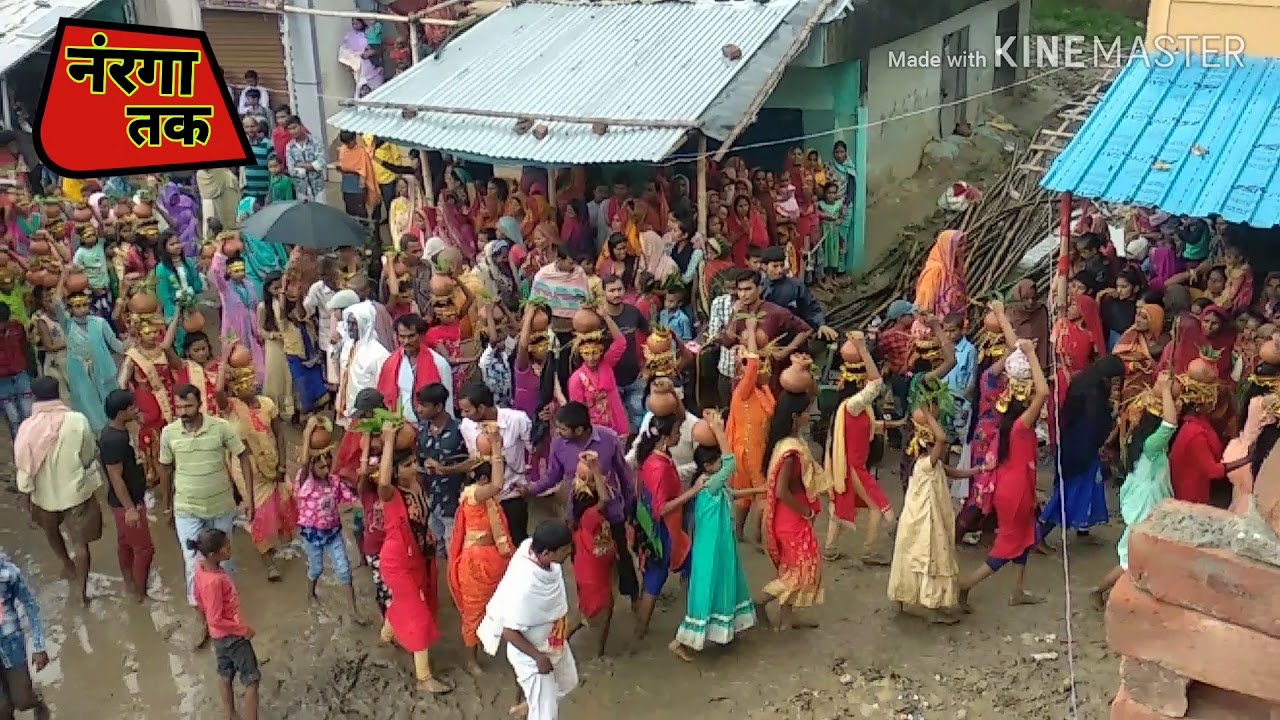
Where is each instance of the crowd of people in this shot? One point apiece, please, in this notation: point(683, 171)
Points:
point(508, 348)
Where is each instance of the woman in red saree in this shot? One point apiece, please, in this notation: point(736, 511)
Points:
point(457, 207)
point(745, 228)
point(794, 482)
point(1077, 341)
point(407, 561)
point(537, 209)
point(480, 547)
point(149, 371)
point(1210, 337)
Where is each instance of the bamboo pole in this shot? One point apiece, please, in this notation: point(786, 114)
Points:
point(424, 159)
point(447, 4)
point(510, 115)
point(351, 14)
point(702, 184)
point(551, 188)
point(413, 43)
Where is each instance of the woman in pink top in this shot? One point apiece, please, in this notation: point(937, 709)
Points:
point(593, 383)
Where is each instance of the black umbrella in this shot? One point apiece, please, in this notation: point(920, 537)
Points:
point(307, 223)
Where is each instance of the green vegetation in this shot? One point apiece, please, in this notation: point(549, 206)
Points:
point(1078, 17)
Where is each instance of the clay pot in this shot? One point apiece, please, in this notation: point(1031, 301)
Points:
point(406, 436)
point(240, 357)
point(991, 323)
point(449, 259)
point(541, 320)
point(659, 343)
point(484, 446)
point(662, 404)
point(76, 282)
point(919, 417)
point(586, 320)
point(584, 466)
point(797, 378)
point(143, 211)
point(36, 277)
point(83, 213)
point(1269, 353)
point(704, 435)
point(207, 251)
point(441, 285)
point(53, 210)
point(399, 268)
point(50, 279)
point(144, 303)
point(320, 438)
point(232, 245)
point(122, 209)
point(193, 321)
point(39, 247)
point(849, 352)
point(1202, 370)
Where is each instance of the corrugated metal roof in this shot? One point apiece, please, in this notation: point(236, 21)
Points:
point(633, 60)
point(1198, 137)
point(25, 25)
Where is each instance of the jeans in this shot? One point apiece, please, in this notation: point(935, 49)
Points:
point(442, 527)
point(633, 400)
point(15, 400)
point(334, 548)
point(189, 527)
point(134, 547)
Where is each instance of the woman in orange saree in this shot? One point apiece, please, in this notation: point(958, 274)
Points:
point(1138, 349)
point(750, 410)
point(795, 481)
point(481, 544)
point(537, 209)
point(941, 286)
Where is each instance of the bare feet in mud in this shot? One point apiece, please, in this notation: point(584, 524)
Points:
point(796, 625)
point(433, 686)
point(519, 711)
point(762, 614)
point(1099, 598)
point(473, 669)
point(942, 617)
point(963, 604)
point(680, 651)
point(203, 640)
point(876, 560)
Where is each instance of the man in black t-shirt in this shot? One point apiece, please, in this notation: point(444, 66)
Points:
point(126, 493)
point(627, 372)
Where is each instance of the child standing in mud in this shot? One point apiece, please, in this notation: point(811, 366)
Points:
point(219, 606)
point(16, 690)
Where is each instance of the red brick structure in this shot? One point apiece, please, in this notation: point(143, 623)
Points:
point(1197, 617)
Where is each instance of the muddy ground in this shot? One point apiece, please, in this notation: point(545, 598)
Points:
point(120, 660)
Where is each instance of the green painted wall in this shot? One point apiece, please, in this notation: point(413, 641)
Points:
point(830, 99)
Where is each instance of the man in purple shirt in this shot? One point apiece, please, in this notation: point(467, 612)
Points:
point(574, 435)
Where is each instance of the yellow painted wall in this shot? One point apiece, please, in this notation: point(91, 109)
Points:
point(1253, 21)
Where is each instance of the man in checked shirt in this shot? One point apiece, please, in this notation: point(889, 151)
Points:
point(16, 690)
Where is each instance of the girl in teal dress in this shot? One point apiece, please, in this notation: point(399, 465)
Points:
point(719, 601)
point(178, 282)
point(91, 368)
point(261, 258)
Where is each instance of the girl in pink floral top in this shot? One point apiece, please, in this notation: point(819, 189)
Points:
point(318, 495)
point(593, 383)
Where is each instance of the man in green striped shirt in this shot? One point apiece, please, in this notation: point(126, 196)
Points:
point(257, 179)
point(194, 484)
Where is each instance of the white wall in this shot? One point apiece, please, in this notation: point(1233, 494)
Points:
point(895, 147)
point(184, 14)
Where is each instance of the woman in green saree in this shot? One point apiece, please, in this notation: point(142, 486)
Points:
point(261, 258)
point(719, 601)
point(842, 172)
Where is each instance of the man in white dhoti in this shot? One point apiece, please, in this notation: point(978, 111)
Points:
point(530, 610)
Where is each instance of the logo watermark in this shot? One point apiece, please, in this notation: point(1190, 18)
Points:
point(1046, 52)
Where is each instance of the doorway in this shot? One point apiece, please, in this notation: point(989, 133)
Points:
point(1006, 73)
point(955, 80)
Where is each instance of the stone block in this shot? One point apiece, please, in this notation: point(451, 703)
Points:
point(1216, 582)
point(1207, 703)
point(1155, 686)
point(1192, 644)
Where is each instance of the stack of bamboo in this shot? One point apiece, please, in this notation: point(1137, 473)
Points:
point(1014, 215)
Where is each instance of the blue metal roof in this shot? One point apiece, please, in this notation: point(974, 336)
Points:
point(1194, 136)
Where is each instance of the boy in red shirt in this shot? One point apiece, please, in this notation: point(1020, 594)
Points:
point(219, 605)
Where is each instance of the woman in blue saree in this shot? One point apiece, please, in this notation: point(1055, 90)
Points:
point(306, 362)
point(91, 368)
point(1079, 499)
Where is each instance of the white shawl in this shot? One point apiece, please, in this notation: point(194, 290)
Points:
point(528, 597)
point(362, 356)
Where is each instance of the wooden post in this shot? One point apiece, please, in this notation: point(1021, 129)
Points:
point(702, 184)
point(413, 42)
point(428, 186)
point(551, 188)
